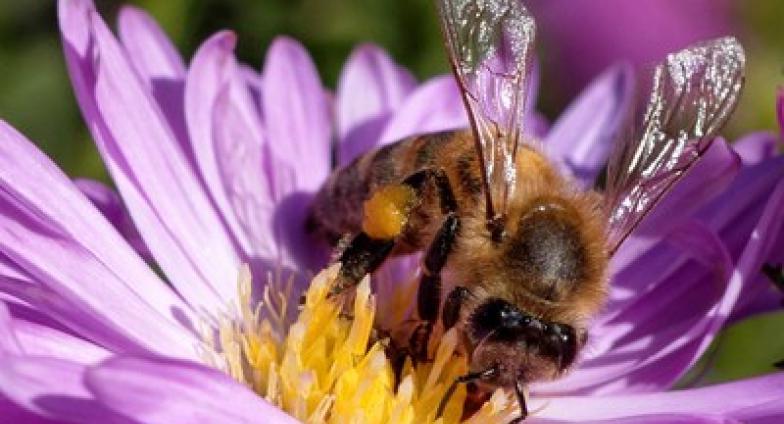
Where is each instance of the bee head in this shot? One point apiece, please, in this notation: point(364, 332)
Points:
point(519, 345)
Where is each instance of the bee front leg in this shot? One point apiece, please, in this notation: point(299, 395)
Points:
point(464, 379)
point(362, 256)
point(452, 305)
point(429, 291)
point(520, 392)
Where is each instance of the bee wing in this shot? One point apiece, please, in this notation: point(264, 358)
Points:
point(694, 92)
point(490, 45)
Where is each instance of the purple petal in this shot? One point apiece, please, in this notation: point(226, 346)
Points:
point(371, 87)
point(8, 341)
point(150, 51)
point(708, 178)
point(435, 106)
point(537, 125)
point(649, 297)
point(533, 87)
point(625, 357)
point(111, 206)
point(296, 113)
point(158, 64)
point(591, 35)
point(658, 419)
point(738, 218)
point(52, 388)
point(582, 137)
point(168, 392)
point(13, 413)
point(227, 140)
point(23, 337)
point(755, 147)
point(255, 83)
point(163, 195)
point(754, 400)
point(61, 254)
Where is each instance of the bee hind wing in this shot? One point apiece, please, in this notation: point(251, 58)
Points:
point(490, 45)
point(694, 93)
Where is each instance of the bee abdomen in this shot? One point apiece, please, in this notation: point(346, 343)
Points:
point(337, 209)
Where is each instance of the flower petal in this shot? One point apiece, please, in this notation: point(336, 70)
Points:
point(52, 388)
point(665, 417)
point(228, 142)
point(167, 391)
point(64, 257)
point(434, 106)
point(150, 51)
point(296, 113)
point(111, 206)
point(160, 188)
point(682, 305)
point(754, 400)
point(370, 88)
point(702, 183)
point(650, 343)
point(158, 64)
point(583, 135)
point(8, 341)
point(13, 413)
point(34, 339)
point(755, 147)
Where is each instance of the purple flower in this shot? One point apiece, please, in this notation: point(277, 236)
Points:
point(214, 164)
point(583, 37)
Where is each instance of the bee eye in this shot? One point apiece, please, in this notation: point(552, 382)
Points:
point(512, 318)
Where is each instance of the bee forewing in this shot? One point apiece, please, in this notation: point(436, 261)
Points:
point(490, 46)
point(694, 92)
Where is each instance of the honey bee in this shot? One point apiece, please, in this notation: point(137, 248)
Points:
point(528, 251)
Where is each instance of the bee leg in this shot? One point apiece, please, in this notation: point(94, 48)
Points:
point(429, 292)
point(386, 214)
point(463, 379)
point(520, 392)
point(452, 304)
point(362, 256)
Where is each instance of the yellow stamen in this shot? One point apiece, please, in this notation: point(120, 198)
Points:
point(329, 369)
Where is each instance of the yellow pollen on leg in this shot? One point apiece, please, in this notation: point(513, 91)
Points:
point(328, 368)
point(386, 212)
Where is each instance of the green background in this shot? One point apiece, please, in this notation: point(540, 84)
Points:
point(36, 98)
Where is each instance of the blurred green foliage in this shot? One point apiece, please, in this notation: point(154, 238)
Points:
point(36, 98)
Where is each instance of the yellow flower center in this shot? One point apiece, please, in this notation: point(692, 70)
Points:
point(328, 367)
